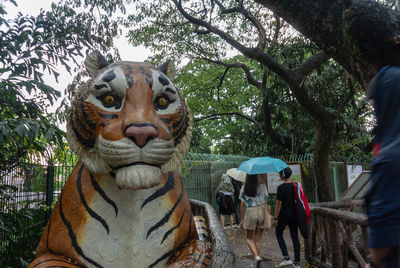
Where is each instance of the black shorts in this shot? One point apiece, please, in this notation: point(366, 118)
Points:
point(228, 207)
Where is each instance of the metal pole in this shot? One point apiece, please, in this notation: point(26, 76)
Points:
point(49, 188)
point(209, 186)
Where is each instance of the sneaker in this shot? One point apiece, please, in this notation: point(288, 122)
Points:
point(258, 258)
point(285, 263)
point(296, 265)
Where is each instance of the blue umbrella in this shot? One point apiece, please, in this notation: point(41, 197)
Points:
point(260, 165)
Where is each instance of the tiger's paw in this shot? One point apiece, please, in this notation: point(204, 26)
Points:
point(51, 260)
point(194, 254)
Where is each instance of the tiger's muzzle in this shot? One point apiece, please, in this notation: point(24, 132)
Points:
point(136, 167)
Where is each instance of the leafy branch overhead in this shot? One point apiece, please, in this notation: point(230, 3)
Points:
point(31, 46)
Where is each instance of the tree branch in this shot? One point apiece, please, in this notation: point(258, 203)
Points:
point(217, 115)
point(272, 134)
point(250, 79)
point(304, 69)
point(250, 17)
point(359, 35)
point(276, 34)
point(267, 127)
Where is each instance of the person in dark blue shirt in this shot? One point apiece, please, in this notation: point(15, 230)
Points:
point(383, 197)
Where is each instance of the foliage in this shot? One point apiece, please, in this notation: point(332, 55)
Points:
point(234, 135)
point(199, 143)
point(213, 88)
point(162, 28)
point(29, 47)
point(34, 178)
point(33, 45)
point(94, 23)
point(64, 156)
point(352, 135)
point(21, 228)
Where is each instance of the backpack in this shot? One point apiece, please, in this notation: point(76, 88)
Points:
point(302, 209)
point(220, 198)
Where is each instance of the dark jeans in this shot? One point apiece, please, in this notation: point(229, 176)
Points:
point(393, 259)
point(237, 211)
point(293, 227)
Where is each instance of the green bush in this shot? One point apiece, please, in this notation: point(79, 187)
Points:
point(21, 227)
point(35, 179)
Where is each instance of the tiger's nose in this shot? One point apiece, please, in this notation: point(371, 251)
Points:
point(141, 133)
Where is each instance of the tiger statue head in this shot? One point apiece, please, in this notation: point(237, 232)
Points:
point(130, 121)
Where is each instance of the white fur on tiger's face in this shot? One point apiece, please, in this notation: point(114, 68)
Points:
point(129, 120)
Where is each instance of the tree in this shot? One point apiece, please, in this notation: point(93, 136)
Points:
point(229, 109)
point(360, 35)
point(30, 46)
point(214, 101)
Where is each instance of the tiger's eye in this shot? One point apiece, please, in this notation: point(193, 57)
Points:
point(162, 101)
point(109, 99)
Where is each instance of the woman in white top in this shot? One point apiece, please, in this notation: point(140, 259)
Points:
point(253, 195)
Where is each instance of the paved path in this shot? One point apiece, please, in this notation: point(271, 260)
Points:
point(270, 251)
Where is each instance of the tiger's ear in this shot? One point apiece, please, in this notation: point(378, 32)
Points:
point(168, 68)
point(94, 62)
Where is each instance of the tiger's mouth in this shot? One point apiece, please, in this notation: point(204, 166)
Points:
point(136, 167)
point(134, 164)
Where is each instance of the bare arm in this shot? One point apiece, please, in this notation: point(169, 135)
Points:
point(278, 206)
point(265, 198)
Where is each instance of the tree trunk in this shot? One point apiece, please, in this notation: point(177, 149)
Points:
point(362, 36)
point(325, 130)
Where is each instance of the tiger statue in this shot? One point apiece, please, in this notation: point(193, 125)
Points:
point(125, 205)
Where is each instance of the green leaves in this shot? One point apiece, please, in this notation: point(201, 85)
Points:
point(29, 47)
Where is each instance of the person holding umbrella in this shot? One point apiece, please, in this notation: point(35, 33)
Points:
point(255, 202)
point(238, 178)
point(253, 195)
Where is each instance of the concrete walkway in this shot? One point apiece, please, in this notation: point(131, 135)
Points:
point(270, 251)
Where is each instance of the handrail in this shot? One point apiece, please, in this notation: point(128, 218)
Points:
point(331, 234)
point(345, 216)
point(339, 204)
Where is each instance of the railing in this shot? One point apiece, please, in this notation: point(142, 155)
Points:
point(334, 233)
